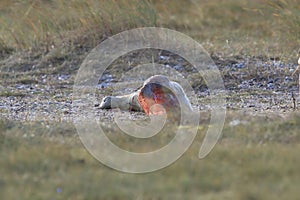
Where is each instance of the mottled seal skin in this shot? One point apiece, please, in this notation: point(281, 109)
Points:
point(156, 90)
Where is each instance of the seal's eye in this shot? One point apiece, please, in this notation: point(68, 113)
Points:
point(106, 99)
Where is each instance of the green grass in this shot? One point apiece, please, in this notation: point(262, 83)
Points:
point(48, 24)
point(259, 27)
point(257, 160)
point(46, 160)
point(233, 27)
point(288, 11)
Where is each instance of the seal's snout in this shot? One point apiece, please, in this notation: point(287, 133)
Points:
point(106, 103)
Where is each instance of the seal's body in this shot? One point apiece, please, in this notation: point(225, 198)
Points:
point(157, 95)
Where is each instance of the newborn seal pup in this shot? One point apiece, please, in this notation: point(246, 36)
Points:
point(158, 95)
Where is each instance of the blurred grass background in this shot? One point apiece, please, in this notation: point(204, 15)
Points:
point(252, 27)
point(256, 160)
point(48, 23)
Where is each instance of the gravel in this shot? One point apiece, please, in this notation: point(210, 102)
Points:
point(253, 85)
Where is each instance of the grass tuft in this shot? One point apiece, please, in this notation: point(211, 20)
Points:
point(288, 12)
point(31, 24)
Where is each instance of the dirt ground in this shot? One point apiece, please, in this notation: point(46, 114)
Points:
point(42, 156)
point(37, 87)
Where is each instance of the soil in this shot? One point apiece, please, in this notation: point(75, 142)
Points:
point(39, 86)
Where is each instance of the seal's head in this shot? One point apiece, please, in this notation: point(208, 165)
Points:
point(106, 103)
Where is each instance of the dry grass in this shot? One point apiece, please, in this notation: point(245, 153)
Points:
point(259, 27)
point(237, 27)
point(30, 24)
point(45, 160)
point(288, 12)
point(256, 160)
